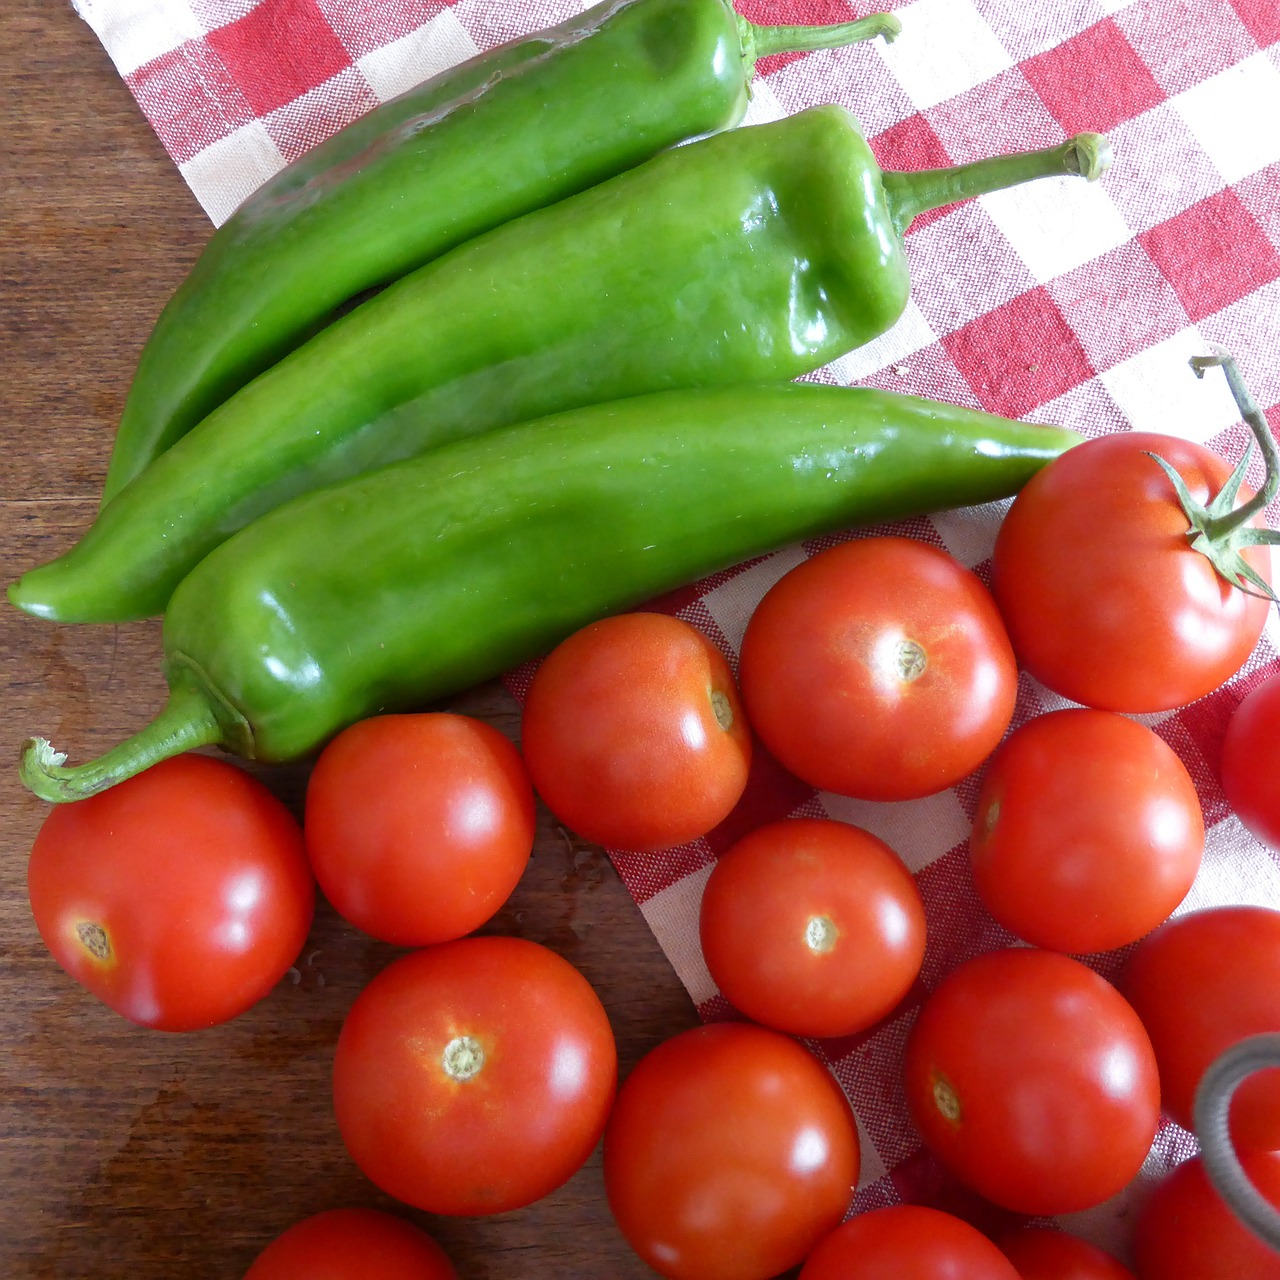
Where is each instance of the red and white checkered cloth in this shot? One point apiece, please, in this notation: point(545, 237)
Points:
point(1070, 303)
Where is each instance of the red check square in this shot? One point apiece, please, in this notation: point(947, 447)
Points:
point(1261, 18)
point(923, 1180)
point(189, 99)
point(1212, 254)
point(1093, 81)
point(1020, 355)
point(1203, 724)
point(279, 51)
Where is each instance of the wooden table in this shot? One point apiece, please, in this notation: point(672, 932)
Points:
point(133, 1153)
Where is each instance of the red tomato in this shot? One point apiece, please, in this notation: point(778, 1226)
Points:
point(906, 1242)
point(813, 927)
point(1088, 831)
point(1186, 1232)
point(1104, 598)
point(1032, 1080)
point(474, 1077)
point(1200, 984)
point(634, 733)
point(879, 669)
point(179, 897)
point(1251, 762)
point(352, 1244)
point(730, 1151)
point(1042, 1254)
point(419, 826)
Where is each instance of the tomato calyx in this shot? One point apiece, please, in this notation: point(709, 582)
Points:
point(1219, 529)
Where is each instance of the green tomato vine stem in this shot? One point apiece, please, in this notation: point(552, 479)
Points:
point(1219, 529)
point(1253, 416)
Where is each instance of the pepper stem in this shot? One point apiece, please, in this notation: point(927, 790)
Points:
point(1219, 529)
point(760, 42)
point(187, 721)
point(911, 194)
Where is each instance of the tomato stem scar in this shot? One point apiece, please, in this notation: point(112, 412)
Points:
point(912, 660)
point(463, 1058)
point(946, 1100)
point(723, 709)
point(821, 934)
point(991, 817)
point(93, 937)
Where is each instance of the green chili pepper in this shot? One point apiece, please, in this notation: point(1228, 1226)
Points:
point(420, 579)
point(755, 255)
point(514, 129)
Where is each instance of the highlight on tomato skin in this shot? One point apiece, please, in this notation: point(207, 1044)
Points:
point(352, 1244)
point(179, 897)
point(906, 1242)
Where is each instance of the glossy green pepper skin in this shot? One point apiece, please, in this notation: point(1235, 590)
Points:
point(754, 255)
point(511, 130)
point(420, 579)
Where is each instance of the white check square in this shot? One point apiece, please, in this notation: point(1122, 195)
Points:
point(1235, 116)
point(673, 916)
point(910, 334)
point(732, 603)
point(137, 34)
point(918, 831)
point(435, 47)
point(946, 47)
point(230, 170)
point(969, 533)
point(1157, 390)
point(1057, 224)
point(1159, 168)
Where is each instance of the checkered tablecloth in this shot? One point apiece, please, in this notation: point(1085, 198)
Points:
point(1067, 302)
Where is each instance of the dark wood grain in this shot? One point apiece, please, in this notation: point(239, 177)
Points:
point(123, 1152)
